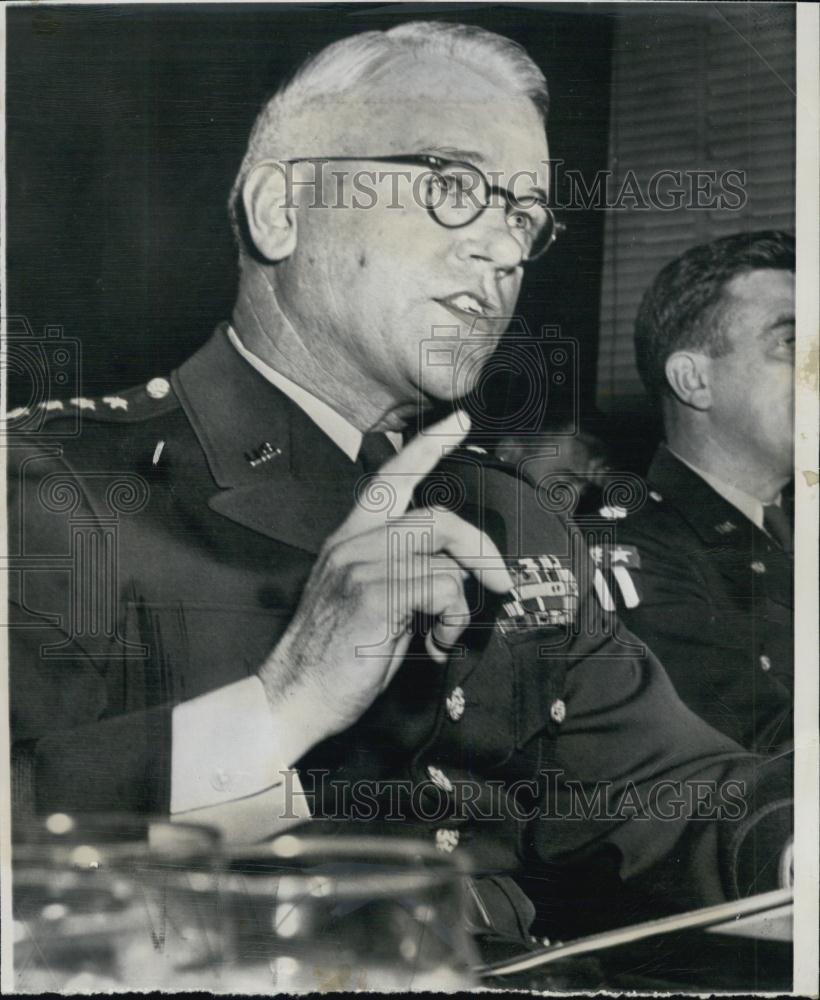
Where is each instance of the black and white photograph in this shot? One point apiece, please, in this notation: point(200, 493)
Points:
point(409, 437)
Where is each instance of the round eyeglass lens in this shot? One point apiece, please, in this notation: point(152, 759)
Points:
point(533, 225)
point(456, 194)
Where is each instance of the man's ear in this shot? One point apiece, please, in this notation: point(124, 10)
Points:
point(269, 211)
point(688, 375)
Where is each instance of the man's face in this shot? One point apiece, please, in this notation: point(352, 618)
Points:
point(374, 284)
point(753, 384)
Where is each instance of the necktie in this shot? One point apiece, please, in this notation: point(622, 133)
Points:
point(776, 522)
point(375, 451)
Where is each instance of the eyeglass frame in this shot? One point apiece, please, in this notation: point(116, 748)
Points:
point(435, 163)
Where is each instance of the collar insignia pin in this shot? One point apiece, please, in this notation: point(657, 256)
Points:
point(725, 528)
point(264, 453)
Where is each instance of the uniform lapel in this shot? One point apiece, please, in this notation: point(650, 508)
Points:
point(275, 471)
point(741, 550)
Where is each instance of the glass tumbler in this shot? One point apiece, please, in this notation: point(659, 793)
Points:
point(311, 913)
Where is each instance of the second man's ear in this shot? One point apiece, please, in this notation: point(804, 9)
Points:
point(269, 210)
point(687, 373)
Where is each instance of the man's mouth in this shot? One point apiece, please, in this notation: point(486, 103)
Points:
point(469, 306)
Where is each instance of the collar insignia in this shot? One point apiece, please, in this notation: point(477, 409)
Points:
point(264, 453)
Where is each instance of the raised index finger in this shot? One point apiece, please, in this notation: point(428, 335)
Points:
point(403, 473)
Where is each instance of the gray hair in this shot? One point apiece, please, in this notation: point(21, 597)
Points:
point(358, 58)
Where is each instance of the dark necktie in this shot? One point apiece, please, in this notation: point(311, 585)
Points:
point(375, 451)
point(776, 522)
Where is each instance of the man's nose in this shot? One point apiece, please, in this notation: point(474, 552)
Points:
point(489, 238)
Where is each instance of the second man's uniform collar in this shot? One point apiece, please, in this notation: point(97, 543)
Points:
point(749, 506)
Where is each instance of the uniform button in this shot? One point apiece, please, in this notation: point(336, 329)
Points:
point(440, 779)
point(455, 704)
point(765, 663)
point(558, 711)
point(758, 567)
point(447, 840)
point(655, 496)
point(158, 388)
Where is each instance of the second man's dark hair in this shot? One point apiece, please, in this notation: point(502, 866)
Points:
point(680, 308)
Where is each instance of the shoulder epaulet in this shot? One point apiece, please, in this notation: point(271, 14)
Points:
point(140, 402)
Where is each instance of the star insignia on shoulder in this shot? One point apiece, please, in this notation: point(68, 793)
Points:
point(17, 412)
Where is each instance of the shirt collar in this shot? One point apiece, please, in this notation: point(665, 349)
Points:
point(749, 506)
point(340, 431)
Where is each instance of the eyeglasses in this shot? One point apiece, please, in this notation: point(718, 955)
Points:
point(455, 193)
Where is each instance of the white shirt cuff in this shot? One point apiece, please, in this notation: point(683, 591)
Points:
point(228, 769)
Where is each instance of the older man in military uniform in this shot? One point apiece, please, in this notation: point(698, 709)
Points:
point(712, 547)
point(209, 624)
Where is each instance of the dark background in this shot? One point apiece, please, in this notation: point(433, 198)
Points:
point(126, 126)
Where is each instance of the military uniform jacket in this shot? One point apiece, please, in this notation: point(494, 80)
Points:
point(154, 558)
point(716, 605)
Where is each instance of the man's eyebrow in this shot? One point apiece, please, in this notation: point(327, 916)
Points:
point(451, 153)
point(784, 319)
point(473, 156)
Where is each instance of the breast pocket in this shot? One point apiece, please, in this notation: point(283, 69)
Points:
point(195, 648)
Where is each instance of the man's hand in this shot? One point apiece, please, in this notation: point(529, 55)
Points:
point(355, 620)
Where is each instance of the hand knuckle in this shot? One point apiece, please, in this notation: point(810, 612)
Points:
point(450, 589)
point(352, 581)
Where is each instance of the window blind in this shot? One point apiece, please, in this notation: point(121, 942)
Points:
point(698, 89)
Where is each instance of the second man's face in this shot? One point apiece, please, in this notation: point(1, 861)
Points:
point(753, 383)
point(417, 307)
